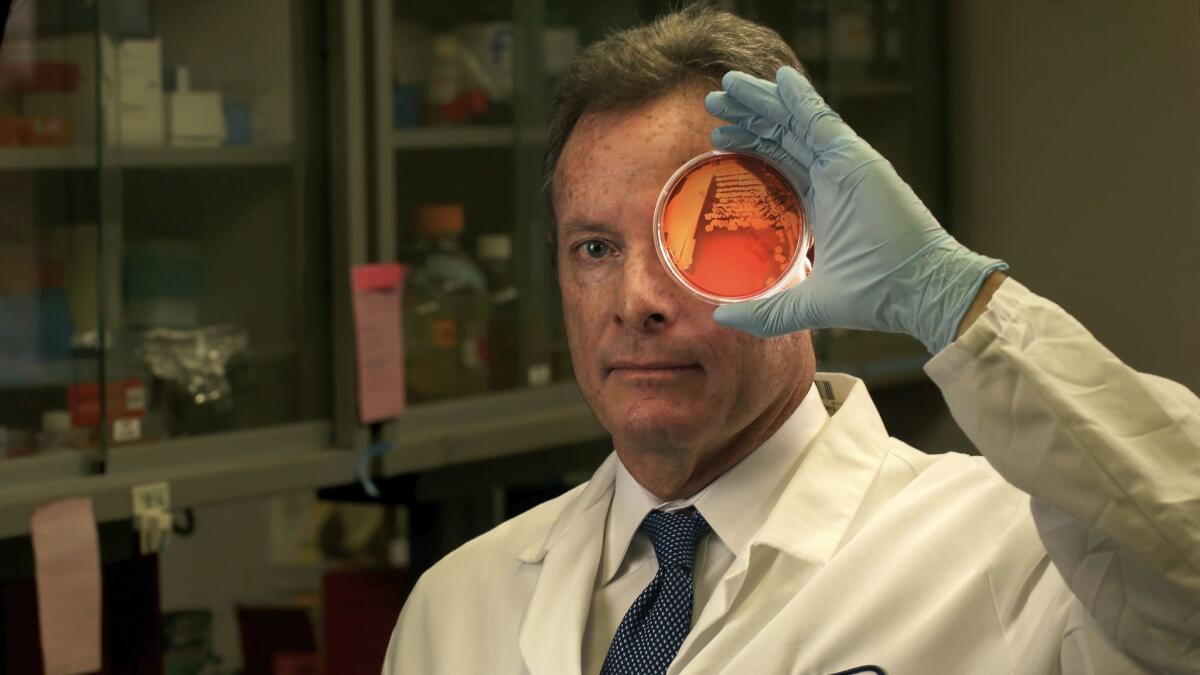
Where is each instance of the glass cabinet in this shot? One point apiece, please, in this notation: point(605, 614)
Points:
point(184, 187)
point(164, 271)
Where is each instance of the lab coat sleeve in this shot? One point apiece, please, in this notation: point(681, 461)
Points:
point(1111, 460)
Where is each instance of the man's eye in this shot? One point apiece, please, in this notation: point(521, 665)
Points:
point(594, 249)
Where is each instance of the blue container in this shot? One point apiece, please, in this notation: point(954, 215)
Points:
point(237, 124)
point(406, 106)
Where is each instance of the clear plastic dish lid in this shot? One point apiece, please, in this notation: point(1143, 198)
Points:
point(729, 227)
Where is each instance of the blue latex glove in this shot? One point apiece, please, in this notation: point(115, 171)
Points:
point(882, 261)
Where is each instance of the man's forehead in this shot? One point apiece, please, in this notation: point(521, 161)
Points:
point(612, 148)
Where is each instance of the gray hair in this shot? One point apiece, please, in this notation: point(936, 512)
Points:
point(629, 68)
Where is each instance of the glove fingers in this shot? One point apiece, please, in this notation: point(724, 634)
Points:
point(736, 138)
point(756, 94)
point(788, 312)
point(722, 105)
point(817, 125)
point(763, 98)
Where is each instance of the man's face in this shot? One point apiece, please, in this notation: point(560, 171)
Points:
point(656, 369)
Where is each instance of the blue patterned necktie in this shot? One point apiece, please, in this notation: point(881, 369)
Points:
point(652, 630)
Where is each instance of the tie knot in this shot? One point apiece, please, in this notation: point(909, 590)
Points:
point(674, 535)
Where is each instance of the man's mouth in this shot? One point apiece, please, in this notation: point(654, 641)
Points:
point(653, 369)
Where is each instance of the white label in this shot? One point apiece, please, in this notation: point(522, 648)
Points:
point(135, 399)
point(127, 430)
point(151, 497)
point(828, 397)
point(472, 353)
point(539, 374)
point(152, 516)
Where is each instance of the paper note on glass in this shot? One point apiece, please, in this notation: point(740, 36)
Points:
point(379, 340)
point(66, 555)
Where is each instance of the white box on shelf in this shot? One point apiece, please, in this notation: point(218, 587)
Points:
point(140, 92)
point(194, 118)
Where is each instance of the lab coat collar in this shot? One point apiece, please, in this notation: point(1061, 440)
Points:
point(530, 542)
point(815, 510)
point(551, 632)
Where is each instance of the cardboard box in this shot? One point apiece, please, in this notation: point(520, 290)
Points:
point(140, 92)
point(195, 119)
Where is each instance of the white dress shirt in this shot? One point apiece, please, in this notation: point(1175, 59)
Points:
point(735, 505)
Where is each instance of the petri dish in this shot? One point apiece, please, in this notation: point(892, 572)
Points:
point(729, 227)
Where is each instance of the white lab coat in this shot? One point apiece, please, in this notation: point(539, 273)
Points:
point(1073, 548)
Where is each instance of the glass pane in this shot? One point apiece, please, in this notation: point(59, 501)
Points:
point(454, 101)
point(52, 263)
point(212, 182)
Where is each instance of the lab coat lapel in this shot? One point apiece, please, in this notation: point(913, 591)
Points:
point(812, 515)
point(817, 506)
point(551, 635)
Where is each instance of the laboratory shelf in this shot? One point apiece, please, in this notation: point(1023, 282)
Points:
point(236, 466)
point(487, 427)
point(496, 136)
point(219, 468)
point(231, 155)
point(201, 471)
point(69, 157)
point(84, 157)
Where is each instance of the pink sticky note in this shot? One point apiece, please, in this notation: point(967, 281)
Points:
point(379, 340)
point(66, 554)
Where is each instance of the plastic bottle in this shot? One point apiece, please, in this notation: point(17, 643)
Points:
point(494, 252)
point(446, 304)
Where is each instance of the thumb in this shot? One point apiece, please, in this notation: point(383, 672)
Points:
point(788, 312)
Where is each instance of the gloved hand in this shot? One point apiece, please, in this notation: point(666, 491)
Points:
point(882, 262)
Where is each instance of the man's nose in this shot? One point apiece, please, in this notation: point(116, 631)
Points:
point(649, 299)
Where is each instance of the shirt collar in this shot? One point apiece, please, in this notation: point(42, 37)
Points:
point(735, 505)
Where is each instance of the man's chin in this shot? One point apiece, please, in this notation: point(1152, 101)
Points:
point(657, 423)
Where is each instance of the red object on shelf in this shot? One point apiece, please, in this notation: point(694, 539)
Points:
point(473, 103)
point(360, 608)
point(23, 131)
point(126, 398)
point(39, 78)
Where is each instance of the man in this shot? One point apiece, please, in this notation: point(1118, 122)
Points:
point(755, 517)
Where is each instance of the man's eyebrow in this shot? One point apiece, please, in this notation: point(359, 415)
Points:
point(585, 226)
